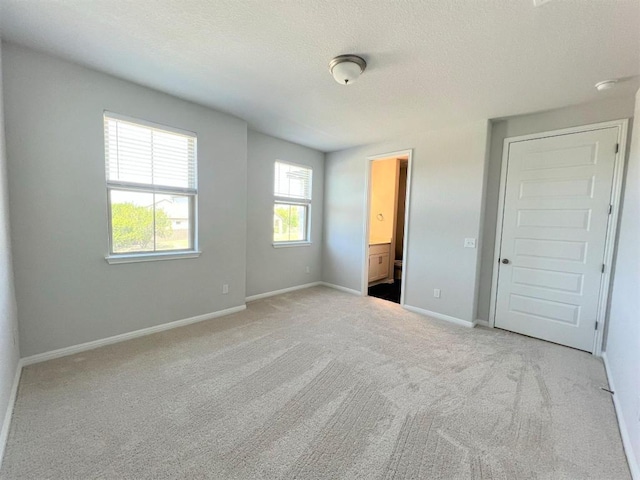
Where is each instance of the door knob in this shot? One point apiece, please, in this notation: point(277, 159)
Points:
point(505, 261)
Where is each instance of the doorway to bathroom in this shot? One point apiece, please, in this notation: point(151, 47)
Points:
point(387, 202)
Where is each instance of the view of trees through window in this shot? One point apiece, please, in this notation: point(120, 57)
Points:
point(142, 223)
point(289, 223)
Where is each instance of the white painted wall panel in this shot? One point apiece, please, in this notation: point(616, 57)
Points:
point(9, 353)
point(612, 108)
point(66, 292)
point(269, 268)
point(623, 336)
point(445, 208)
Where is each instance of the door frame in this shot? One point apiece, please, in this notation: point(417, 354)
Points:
point(612, 226)
point(367, 207)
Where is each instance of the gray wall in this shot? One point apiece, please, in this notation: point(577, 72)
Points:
point(66, 292)
point(447, 181)
point(623, 338)
point(9, 353)
point(610, 109)
point(269, 268)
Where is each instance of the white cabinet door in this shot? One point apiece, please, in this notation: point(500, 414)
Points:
point(556, 211)
point(379, 261)
point(373, 267)
point(383, 266)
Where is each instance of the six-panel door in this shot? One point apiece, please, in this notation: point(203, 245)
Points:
point(554, 229)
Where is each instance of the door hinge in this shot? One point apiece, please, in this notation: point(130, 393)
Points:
point(596, 325)
point(610, 209)
point(617, 147)
point(603, 268)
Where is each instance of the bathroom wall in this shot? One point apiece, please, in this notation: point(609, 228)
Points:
point(382, 213)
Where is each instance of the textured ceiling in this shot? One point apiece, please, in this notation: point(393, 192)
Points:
point(430, 64)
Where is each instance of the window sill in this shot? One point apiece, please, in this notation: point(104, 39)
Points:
point(291, 244)
point(150, 257)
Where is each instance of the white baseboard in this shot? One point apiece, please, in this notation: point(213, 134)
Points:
point(439, 316)
point(63, 352)
point(281, 291)
point(342, 289)
point(634, 467)
point(483, 323)
point(6, 424)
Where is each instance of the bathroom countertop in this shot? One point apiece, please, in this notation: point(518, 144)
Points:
point(378, 241)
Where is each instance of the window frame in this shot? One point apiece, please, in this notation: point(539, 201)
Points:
point(117, 185)
point(294, 201)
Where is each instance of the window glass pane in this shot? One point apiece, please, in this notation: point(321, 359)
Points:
point(173, 221)
point(131, 221)
point(147, 222)
point(289, 223)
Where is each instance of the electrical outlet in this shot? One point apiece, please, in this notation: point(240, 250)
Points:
point(225, 288)
point(308, 269)
point(436, 292)
point(469, 243)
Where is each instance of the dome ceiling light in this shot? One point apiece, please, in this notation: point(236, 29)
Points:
point(347, 68)
point(606, 85)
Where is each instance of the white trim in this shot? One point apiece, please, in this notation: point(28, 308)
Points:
point(367, 206)
point(341, 288)
point(6, 424)
point(149, 257)
point(439, 316)
point(281, 291)
point(63, 352)
point(612, 226)
point(483, 323)
point(612, 233)
point(290, 244)
point(634, 466)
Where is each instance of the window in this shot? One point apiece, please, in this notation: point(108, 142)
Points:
point(151, 188)
point(292, 203)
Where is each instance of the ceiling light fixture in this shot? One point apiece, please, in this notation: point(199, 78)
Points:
point(347, 68)
point(606, 85)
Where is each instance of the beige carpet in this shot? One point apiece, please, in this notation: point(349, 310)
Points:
point(318, 384)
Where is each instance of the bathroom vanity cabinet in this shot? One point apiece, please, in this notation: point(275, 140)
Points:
point(379, 261)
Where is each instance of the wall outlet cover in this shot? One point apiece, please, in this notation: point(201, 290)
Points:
point(469, 243)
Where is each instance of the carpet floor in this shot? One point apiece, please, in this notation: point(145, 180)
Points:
point(318, 384)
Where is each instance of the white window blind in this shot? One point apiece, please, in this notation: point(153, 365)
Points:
point(148, 155)
point(292, 182)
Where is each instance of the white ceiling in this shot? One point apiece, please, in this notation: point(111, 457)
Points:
point(430, 63)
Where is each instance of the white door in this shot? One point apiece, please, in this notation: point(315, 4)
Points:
point(556, 210)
